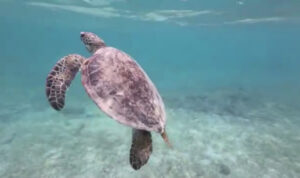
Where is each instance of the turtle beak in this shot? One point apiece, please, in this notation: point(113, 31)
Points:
point(82, 34)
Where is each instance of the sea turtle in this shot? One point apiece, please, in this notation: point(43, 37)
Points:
point(118, 86)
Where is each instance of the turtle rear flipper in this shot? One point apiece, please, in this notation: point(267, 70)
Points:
point(141, 148)
point(60, 77)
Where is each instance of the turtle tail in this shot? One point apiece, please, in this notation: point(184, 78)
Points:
point(59, 79)
point(166, 139)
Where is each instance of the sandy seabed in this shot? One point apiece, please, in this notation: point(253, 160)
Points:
point(218, 134)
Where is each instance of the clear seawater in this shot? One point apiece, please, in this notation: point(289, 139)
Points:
point(228, 72)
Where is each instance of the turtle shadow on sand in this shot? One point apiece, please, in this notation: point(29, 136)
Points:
point(37, 102)
point(235, 102)
point(9, 139)
point(74, 112)
point(12, 112)
point(224, 169)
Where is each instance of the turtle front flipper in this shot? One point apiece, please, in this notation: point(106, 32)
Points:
point(141, 148)
point(60, 78)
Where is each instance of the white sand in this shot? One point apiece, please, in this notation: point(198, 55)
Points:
point(258, 141)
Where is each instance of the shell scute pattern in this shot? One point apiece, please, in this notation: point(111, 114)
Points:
point(123, 91)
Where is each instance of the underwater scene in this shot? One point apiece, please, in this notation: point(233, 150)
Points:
point(228, 73)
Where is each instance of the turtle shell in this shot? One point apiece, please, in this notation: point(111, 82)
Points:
point(120, 88)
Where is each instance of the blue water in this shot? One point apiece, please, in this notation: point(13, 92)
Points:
point(228, 73)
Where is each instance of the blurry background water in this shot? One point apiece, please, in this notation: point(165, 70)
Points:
point(228, 73)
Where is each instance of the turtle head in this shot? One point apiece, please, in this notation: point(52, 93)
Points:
point(91, 41)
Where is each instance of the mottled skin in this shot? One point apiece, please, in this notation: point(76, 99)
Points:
point(119, 87)
point(60, 78)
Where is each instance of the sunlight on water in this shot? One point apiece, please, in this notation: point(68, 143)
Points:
point(228, 73)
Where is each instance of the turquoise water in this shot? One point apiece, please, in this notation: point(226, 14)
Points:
point(228, 73)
